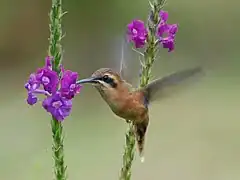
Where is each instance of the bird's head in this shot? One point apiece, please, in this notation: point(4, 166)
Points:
point(103, 79)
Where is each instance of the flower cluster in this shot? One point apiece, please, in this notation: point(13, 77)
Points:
point(59, 91)
point(137, 33)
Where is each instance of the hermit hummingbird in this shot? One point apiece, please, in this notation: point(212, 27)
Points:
point(129, 103)
point(132, 104)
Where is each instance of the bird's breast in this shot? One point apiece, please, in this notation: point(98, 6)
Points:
point(129, 106)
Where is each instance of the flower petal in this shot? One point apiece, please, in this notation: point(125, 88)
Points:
point(32, 99)
point(48, 78)
point(69, 87)
point(137, 33)
point(163, 15)
point(58, 106)
point(48, 62)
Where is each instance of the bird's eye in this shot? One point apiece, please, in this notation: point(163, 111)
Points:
point(109, 80)
point(105, 77)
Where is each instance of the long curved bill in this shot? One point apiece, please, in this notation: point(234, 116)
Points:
point(87, 80)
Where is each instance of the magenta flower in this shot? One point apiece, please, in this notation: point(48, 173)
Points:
point(167, 32)
point(137, 33)
point(168, 43)
point(32, 83)
point(48, 78)
point(45, 81)
point(58, 106)
point(163, 15)
point(69, 88)
point(32, 99)
point(31, 86)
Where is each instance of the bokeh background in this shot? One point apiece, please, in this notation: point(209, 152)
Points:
point(193, 135)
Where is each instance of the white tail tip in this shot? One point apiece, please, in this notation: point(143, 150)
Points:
point(142, 159)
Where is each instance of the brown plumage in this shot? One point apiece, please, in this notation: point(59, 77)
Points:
point(132, 104)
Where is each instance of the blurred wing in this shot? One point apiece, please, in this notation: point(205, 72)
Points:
point(125, 61)
point(122, 63)
point(170, 81)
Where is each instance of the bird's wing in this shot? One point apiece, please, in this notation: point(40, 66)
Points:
point(170, 81)
point(123, 67)
point(125, 61)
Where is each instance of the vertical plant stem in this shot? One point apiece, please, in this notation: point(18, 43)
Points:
point(55, 47)
point(58, 151)
point(149, 58)
point(152, 42)
point(128, 155)
point(55, 50)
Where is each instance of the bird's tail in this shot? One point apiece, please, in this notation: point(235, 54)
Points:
point(141, 129)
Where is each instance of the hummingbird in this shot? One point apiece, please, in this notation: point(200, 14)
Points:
point(129, 103)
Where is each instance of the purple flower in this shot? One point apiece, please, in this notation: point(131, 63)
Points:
point(32, 99)
point(173, 28)
point(48, 61)
point(137, 33)
point(166, 32)
point(163, 15)
point(46, 81)
point(47, 77)
point(163, 26)
point(32, 85)
point(168, 43)
point(68, 84)
point(58, 106)
point(163, 29)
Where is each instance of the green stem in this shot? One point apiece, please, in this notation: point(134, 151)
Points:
point(149, 58)
point(128, 154)
point(58, 151)
point(55, 51)
point(152, 42)
point(55, 47)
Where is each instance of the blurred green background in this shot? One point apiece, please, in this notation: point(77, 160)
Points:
point(193, 135)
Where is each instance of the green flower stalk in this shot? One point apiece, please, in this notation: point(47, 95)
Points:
point(55, 51)
point(148, 38)
point(152, 43)
point(129, 152)
point(55, 27)
point(57, 85)
point(58, 151)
